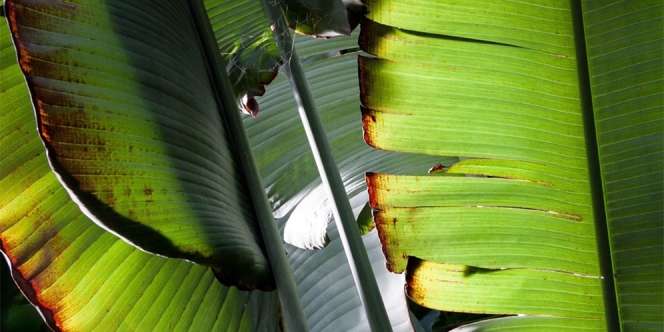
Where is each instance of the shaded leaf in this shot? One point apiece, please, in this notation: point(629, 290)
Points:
point(626, 67)
point(288, 169)
point(321, 18)
point(246, 44)
point(245, 38)
point(292, 182)
point(329, 296)
point(133, 130)
point(82, 278)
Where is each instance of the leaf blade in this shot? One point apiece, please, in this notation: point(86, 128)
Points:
point(623, 42)
point(76, 274)
point(168, 181)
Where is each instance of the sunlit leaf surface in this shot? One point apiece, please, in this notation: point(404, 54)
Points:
point(514, 227)
point(80, 277)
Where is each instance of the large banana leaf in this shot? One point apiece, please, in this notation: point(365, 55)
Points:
point(162, 286)
point(556, 210)
point(175, 162)
point(80, 277)
point(133, 130)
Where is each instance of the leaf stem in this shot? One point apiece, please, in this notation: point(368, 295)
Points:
point(343, 214)
point(290, 302)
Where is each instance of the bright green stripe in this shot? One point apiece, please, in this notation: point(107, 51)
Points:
point(544, 26)
point(462, 289)
point(519, 238)
point(415, 191)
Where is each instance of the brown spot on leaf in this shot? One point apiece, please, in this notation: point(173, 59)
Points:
point(147, 191)
point(368, 123)
point(109, 199)
point(437, 168)
point(371, 179)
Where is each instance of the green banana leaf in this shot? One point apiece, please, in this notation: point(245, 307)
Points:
point(80, 277)
point(323, 276)
point(284, 159)
point(556, 210)
point(133, 130)
point(136, 162)
point(160, 292)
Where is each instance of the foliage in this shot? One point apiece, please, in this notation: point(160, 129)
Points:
point(542, 102)
point(546, 115)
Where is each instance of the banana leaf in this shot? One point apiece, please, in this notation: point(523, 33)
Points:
point(554, 212)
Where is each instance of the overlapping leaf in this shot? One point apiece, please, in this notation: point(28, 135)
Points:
point(284, 157)
point(80, 277)
point(512, 228)
point(329, 296)
point(134, 132)
point(245, 42)
point(626, 67)
point(245, 38)
point(344, 309)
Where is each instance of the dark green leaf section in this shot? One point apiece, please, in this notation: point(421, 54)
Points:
point(132, 128)
point(80, 277)
point(626, 65)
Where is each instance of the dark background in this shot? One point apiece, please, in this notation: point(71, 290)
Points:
point(16, 313)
